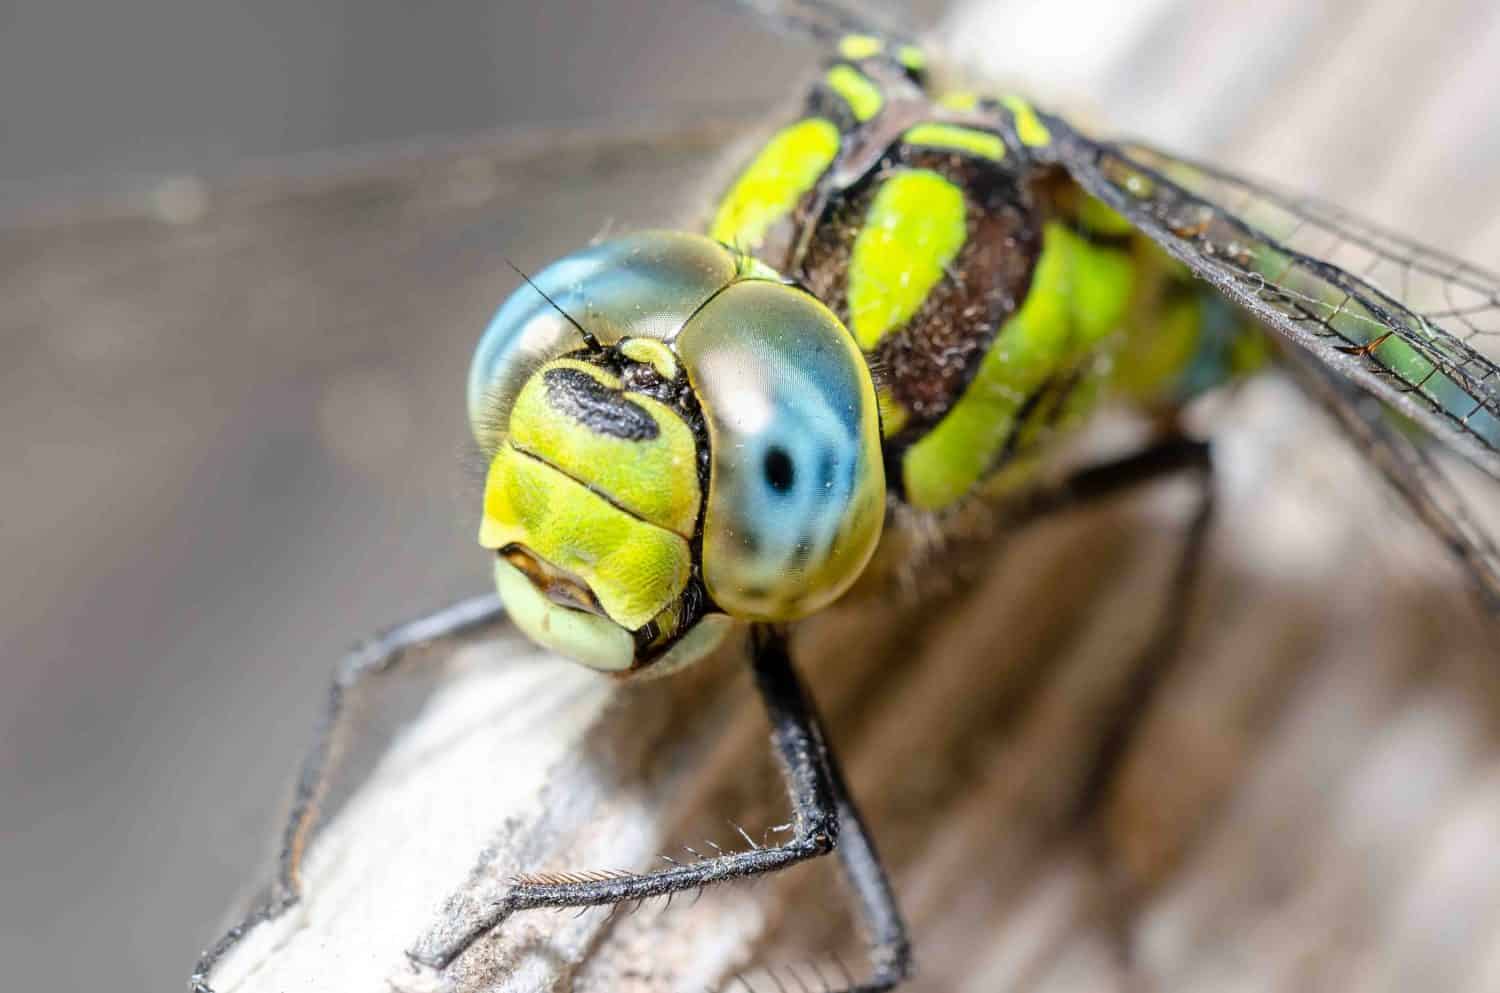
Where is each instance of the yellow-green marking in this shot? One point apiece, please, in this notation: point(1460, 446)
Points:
point(912, 233)
point(1079, 294)
point(857, 89)
point(1029, 127)
point(957, 138)
point(781, 174)
point(860, 46)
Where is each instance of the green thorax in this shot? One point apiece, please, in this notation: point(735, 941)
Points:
point(995, 302)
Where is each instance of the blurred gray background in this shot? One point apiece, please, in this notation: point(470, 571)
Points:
point(104, 97)
point(246, 249)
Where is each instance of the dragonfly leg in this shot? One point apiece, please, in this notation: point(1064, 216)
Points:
point(1162, 652)
point(378, 655)
point(1160, 657)
point(890, 947)
point(1165, 457)
point(1171, 456)
point(823, 816)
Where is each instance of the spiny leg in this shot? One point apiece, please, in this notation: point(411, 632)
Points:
point(1162, 458)
point(378, 655)
point(823, 815)
point(890, 947)
point(1162, 651)
point(1168, 457)
point(1171, 455)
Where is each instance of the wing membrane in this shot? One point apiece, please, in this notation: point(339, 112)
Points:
point(1418, 329)
point(1429, 494)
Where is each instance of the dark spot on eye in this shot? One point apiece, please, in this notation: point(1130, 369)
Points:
point(780, 474)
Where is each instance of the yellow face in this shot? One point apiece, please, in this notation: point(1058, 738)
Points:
point(700, 448)
point(593, 500)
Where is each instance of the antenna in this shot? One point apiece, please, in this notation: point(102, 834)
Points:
point(588, 336)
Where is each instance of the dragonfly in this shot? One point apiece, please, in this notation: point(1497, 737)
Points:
point(904, 303)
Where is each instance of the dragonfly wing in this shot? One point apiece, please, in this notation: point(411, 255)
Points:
point(1421, 484)
point(1416, 328)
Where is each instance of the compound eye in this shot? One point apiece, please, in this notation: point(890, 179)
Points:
point(641, 285)
point(796, 485)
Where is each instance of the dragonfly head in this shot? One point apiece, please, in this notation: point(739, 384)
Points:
point(678, 440)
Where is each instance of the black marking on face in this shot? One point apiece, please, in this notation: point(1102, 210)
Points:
point(576, 394)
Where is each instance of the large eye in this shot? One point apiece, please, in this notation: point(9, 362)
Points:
point(642, 285)
point(796, 488)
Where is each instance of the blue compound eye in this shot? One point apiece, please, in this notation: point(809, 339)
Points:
point(796, 485)
point(643, 285)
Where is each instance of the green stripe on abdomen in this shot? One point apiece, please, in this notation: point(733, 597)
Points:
point(1079, 297)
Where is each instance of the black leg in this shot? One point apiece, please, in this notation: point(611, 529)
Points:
point(1162, 651)
point(823, 816)
point(381, 654)
point(1169, 456)
point(1162, 458)
point(890, 948)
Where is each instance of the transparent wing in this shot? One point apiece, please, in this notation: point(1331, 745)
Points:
point(1426, 490)
point(1418, 329)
